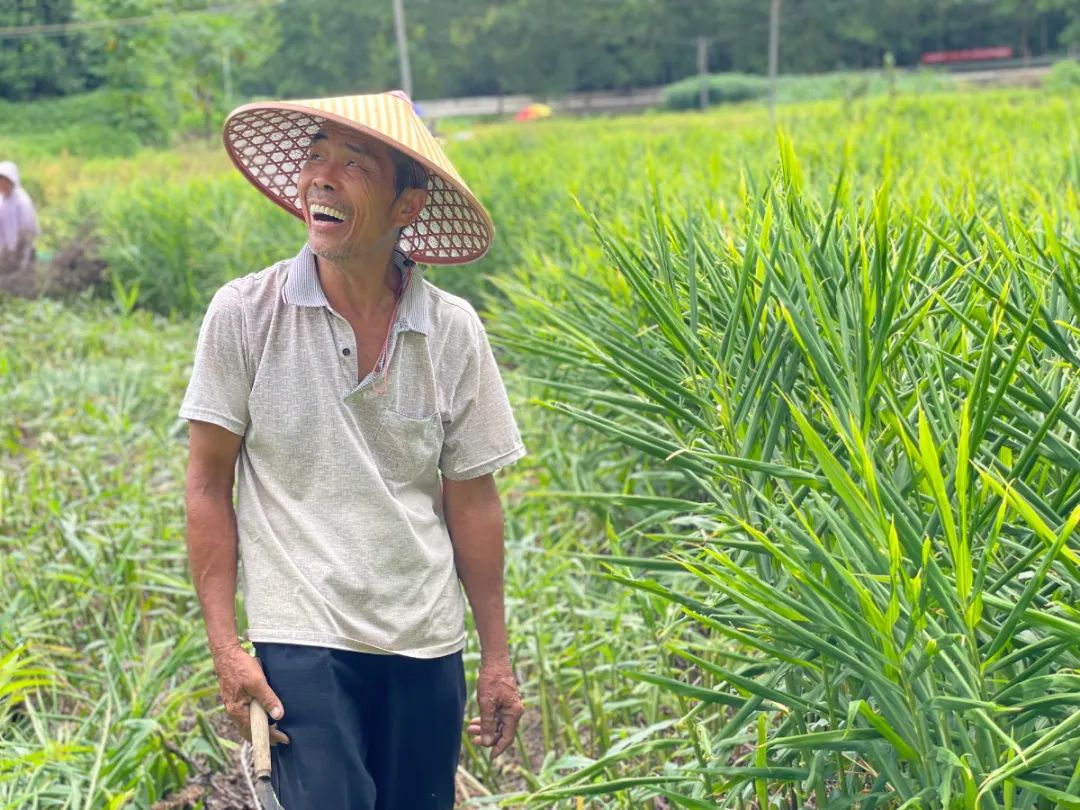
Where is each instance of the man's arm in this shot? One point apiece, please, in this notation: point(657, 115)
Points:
point(212, 556)
point(475, 521)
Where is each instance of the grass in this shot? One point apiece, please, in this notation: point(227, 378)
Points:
point(736, 393)
point(106, 679)
point(107, 694)
point(101, 122)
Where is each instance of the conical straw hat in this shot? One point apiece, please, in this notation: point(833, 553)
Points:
point(268, 142)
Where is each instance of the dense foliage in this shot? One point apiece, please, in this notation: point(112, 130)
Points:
point(102, 662)
point(1064, 76)
point(856, 431)
point(302, 48)
point(735, 87)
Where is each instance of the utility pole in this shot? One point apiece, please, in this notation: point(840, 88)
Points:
point(226, 75)
point(703, 71)
point(774, 56)
point(402, 47)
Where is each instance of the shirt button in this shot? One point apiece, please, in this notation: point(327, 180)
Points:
point(346, 351)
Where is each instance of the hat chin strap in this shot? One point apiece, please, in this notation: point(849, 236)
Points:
point(382, 383)
point(405, 255)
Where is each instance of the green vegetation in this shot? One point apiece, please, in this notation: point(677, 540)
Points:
point(98, 124)
point(102, 655)
point(727, 88)
point(169, 246)
point(1064, 76)
point(171, 240)
point(798, 522)
point(733, 87)
point(857, 485)
point(178, 67)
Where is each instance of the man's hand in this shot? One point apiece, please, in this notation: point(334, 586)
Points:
point(241, 680)
point(500, 707)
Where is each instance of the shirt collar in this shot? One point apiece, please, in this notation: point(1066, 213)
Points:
point(302, 289)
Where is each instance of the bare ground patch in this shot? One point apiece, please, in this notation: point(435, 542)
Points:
point(75, 267)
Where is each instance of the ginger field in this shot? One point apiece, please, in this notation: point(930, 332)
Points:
point(798, 526)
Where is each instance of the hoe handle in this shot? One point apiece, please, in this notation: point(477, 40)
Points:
point(260, 740)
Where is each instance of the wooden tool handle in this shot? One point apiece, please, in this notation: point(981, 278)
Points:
point(260, 740)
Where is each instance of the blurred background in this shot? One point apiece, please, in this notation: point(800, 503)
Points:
point(173, 67)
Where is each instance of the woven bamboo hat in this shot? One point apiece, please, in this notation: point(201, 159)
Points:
point(268, 142)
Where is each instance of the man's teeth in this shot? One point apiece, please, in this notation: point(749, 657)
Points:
point(328, 211)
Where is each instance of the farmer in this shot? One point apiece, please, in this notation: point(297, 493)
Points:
point(18, 222)
point(364, 416)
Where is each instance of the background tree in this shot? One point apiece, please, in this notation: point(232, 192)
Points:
point(41, 66)
point(300, 48)
point(331, 47)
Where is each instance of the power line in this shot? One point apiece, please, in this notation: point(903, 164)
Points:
point(63, 29)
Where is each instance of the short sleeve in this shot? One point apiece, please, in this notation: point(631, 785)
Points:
point(481, 435)
point(222, 375)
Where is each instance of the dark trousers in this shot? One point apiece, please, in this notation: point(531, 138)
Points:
point(368, 732)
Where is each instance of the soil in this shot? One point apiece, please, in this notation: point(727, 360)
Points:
point(229, 789)
point(75, 267)
point(217, 790)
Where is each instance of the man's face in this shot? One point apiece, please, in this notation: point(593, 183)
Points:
point(6, 186)
point(349, 202)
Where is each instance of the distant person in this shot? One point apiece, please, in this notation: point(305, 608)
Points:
point(358, 413)
point(18, 222)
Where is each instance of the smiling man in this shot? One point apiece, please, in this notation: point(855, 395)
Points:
point(357, 412)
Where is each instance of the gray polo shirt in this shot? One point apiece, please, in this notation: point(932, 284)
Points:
point(338, 502)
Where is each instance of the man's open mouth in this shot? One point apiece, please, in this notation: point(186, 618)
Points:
point(324, 213)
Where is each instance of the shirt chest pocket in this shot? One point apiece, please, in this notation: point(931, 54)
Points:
point(407, 448)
